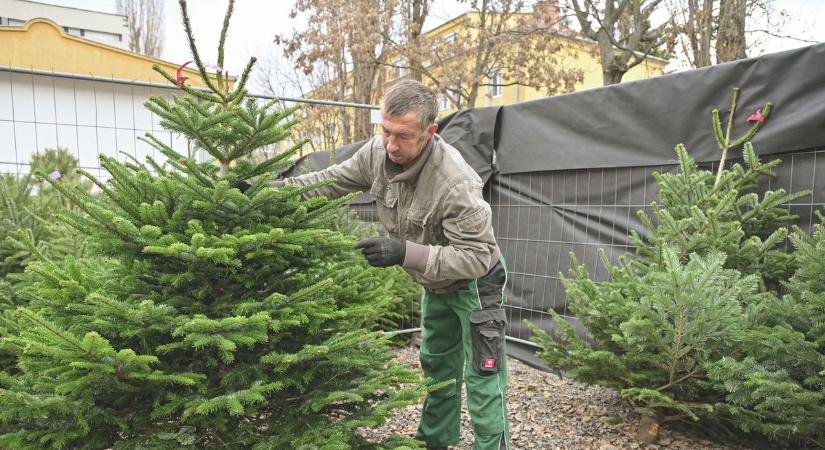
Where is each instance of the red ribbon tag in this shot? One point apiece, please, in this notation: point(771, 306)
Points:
point(757, 116)
point(180, 79)
point(489, 363)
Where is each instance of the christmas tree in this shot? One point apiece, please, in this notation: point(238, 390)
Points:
point(212, 318)
point(776, 387)
point(698, 282)
point(29, 205)
point(404, 312)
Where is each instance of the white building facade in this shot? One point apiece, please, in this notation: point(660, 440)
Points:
point(106, 28)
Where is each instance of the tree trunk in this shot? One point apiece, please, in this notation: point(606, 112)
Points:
point(363, 77)
point(612, 76)
point(612, 72)
point(699, 29)
point(730, 44)
point(648, 429)
point(417, 13)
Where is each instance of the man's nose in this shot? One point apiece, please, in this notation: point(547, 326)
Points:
point(392, 143)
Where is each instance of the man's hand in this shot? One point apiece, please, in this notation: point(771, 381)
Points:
point(382, 252)
point(241, 185)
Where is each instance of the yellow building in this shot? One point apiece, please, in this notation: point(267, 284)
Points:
point(41, 44)
point(575, 53)
point(94, 104)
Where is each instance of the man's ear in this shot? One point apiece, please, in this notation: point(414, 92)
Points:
point(433, 128)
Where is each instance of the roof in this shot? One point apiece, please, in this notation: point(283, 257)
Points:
point(43, 45)
point(74, 8)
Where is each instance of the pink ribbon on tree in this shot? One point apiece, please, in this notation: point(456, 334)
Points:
point(757, 116)
point(180, 79)
point(55, 175)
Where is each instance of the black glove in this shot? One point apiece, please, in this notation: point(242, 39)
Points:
point(382, 252)
point(241, 185)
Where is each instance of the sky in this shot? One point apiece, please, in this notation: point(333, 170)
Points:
point(255, 23)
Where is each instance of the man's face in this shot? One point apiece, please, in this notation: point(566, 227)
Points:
point(404, 139)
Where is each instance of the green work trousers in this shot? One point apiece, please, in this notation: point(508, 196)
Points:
point(463, 339)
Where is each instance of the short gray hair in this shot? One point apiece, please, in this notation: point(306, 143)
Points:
point(411, 95)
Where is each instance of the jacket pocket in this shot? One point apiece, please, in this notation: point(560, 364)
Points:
point(487, 329)
point(386, 201)
point(474, 222)
point(418, 227)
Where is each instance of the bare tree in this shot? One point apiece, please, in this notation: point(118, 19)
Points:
point(144, 18)
point(623, 31)
point(695, 27)
point(706, 32)
point(352, 48)
point(730, 42)
point(344, 40)
point(414, 13)
point(496, 43)
point(279, 76)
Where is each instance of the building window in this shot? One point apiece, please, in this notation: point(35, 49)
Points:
point(494, 89)
point(443, 104)
point(400, 70)
point(101, 36)
point(74, 31)
point(15, 22)
point(450, 39)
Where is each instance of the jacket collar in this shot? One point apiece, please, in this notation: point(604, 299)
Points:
point(396, 173)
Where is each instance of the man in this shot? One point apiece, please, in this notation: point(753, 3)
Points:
point(429, 199)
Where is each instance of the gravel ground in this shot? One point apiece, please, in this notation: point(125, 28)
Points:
point(549, 412)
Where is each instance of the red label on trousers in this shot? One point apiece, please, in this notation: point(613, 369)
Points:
point(489, 363)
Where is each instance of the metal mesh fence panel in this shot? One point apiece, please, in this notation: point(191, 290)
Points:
point(87, 118)
point(540, 218)
point(587, 211)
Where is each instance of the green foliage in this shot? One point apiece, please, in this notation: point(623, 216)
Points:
point(699, 216)
point(777, 389)
point(404, 309)
point(675, 320)
point(211, 318)
point(686, 328)
point(29, 205)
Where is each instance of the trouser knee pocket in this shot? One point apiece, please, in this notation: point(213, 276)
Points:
point(487, 329)
point(442, 367)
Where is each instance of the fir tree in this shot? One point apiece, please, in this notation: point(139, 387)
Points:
point(698, 282)
point(29, 205)
point(213, 318)
point(405, 308)
point(778, 387)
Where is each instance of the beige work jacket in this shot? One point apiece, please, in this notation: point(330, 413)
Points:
point(436, 206)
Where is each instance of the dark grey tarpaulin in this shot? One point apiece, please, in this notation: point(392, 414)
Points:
point(639, 123)
point(567, 174)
